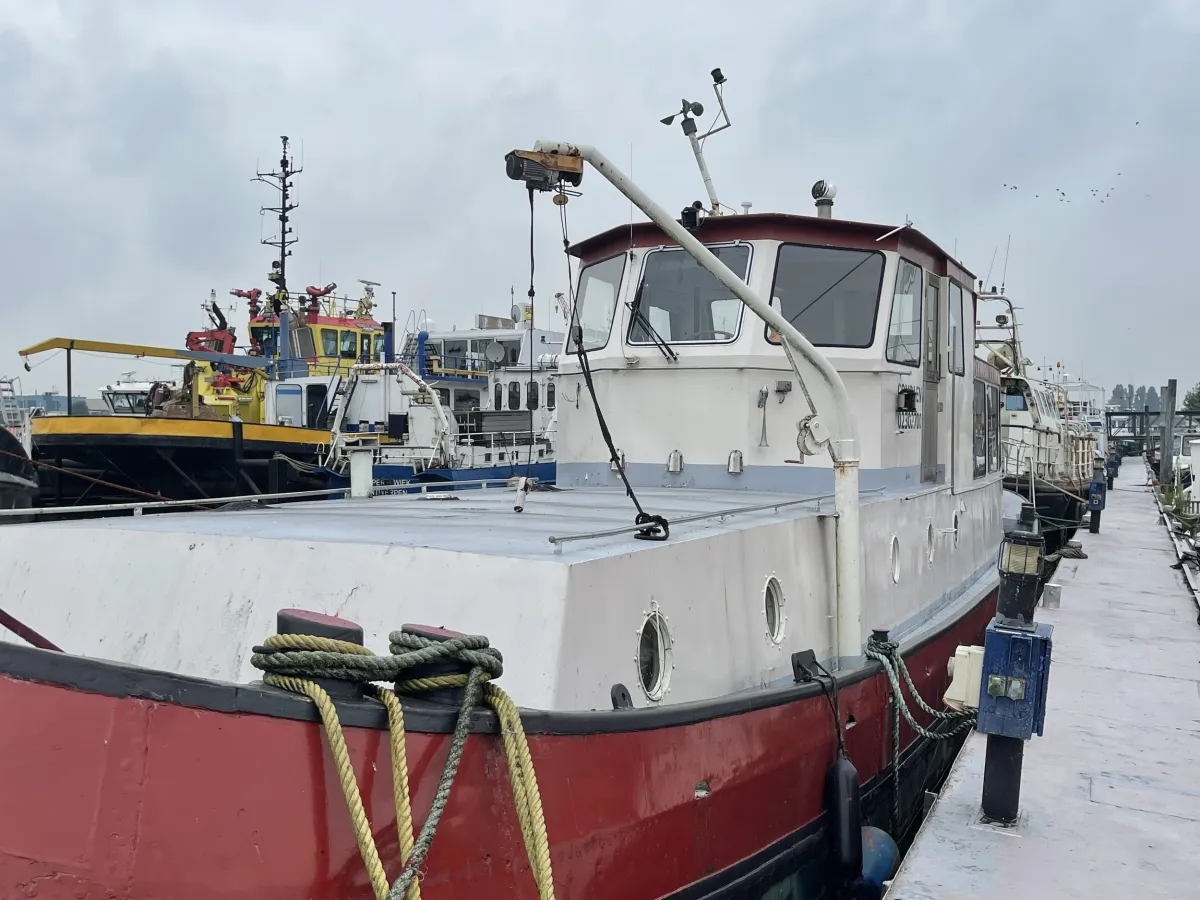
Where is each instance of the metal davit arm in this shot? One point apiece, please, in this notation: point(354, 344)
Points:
point(835, 428)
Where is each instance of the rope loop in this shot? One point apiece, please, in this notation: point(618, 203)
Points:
point(293, 661)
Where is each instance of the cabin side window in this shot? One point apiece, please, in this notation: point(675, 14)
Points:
point(1014, 398)
point(364, 347)
point(349, 345)
point(498, 398)
point(979, 432)
point(955, 334)
point(596, 302)
point(679, 301)
point(329, 342)
point(514, 395)
point(532, 393)
point(904, 331)
point(830, 294)
point(550, 399)
point(377, 353)
point(993, 428)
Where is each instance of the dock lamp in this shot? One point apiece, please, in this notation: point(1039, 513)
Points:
point(1022, 554)
point(1014, 676)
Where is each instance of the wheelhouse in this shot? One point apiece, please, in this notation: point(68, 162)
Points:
point(890, 309)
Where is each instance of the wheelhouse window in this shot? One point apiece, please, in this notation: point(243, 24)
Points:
point(329, 342)
point(532, 393)
point(364, 347)
point(377, 352)
point(954, 333)
point(831, 294)
point(679, 301)
point(302, 344)
point(550, 400)
point(904, 330)
point(596, 302)
point(514, 395)
point(498, 398)
point(979, 429)
point(349, 345)
point(993, 428)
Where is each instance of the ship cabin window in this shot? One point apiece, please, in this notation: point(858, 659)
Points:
point(596, 301)
point(514, 395)
point(377, 352)
point(904, 331)
point(831, 294)
point(314, 405)
point(993, 428)
point(679, 301)
point(302, 344)
point(532, 394)
point(550, 395)
point(1014, 399)
point(264, 337)
point(979, 429)
point(364, 347)
point(443, 397)
point(349, 345)
point(955, 333)
point(454, 355)
point(329, 342)
point(465, 400)
point(498, 401)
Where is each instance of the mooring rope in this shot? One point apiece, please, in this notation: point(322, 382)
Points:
point(291, 661)
point(888, 655)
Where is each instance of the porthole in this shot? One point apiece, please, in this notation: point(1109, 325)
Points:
point(895, 559)
point(773, 604)
point(654, 656)
point(930, 538)
point(956, 529)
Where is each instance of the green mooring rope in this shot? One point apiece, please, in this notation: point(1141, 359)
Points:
point(888, 655)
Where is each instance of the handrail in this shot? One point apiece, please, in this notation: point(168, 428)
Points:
point(137, 507)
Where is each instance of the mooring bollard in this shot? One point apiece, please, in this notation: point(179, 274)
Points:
point(1016, 670)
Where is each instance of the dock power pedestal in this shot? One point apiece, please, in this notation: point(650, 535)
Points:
point(1014, 677)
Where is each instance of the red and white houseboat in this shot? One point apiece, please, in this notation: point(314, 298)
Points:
point(812, 457)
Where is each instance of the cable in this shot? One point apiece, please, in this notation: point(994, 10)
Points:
point(657, 527)
point(529, 386)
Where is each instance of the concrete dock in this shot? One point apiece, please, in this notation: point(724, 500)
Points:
point(1110, 796)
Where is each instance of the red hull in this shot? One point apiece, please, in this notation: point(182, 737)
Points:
point(128, 797)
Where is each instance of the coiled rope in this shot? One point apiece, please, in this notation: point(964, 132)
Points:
point(888, 655)
point(291, 661)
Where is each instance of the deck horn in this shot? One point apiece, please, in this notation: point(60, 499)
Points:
point(830, 426)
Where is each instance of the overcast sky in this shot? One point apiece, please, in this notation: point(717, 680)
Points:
point(129, 132)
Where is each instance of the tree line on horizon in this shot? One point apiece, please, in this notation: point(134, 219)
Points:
point(1125, 396)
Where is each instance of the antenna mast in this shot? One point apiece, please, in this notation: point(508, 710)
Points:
point(688, 124)
point(282, 182)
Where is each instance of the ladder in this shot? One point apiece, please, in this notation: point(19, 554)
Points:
point(11, 414)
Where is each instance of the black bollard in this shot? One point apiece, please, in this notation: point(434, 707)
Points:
point(1002, 778)
point(1094, 522)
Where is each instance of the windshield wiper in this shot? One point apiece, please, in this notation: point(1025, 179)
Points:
point(655, 338)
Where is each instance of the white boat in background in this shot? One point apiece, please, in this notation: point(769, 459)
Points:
point(1048, 453)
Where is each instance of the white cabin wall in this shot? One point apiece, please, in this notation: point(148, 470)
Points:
point(717, 626)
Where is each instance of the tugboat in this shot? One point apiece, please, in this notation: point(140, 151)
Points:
point(235, 424)
point(1048, 451)
point(763, 508)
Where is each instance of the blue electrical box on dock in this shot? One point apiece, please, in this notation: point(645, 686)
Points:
point(1096, 495)
point(1016, 672)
